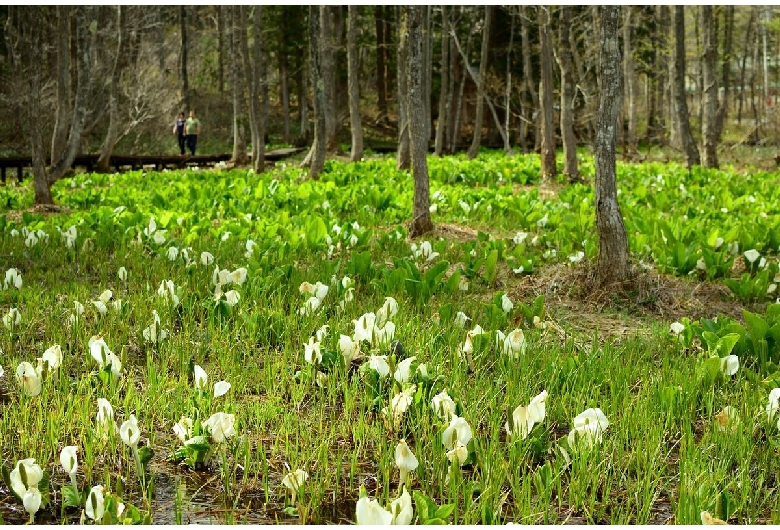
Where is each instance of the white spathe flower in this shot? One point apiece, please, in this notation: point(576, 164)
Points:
point(460, 319)
point(405, 459)
point(69, 236)
point(676, 328)
point(167, 290)
point(100, 306)
point(751, 255)
point(12, 318)
point(13, 278)
point(232, 297)
point(400, 404)
point(514, 343)
point(577, 257)
point(95, 507)
point(459, 430)
point(727, 419)
point(364, 327)
point(104, 357)
point(349, 349)
point(105, 411)
point(238, 276)
point(173, 253)
point(221, 388)
point(506, 304)
point(250, 248)
point(29, 379)
point(588, 426)
point(69, 460)
point(369, 512)
point(524, 418)
point(130, 432)
point(2, 372)
point(459, 453)
point(388, 310)
point(183, 429)
point(32, 501)
point(729, 365)
point(154, 333)
point(401, 508)
point(321, 333)
point(773, 407)
point(379, 363)
point(463, 284)
point(311, 306)
point(384, 335)
point(122, 274)
point(33, 472)
point(159, 237)
point(221, 426)
point(201, 379)
point(443, 406)
point(52, 357)
point(312, 353)
point(403, 370)
point(293, 482)
point(206, 258)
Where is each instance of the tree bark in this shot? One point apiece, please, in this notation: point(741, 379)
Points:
point(680, 102)
point(710, 65)
point(64, 113)
point(220, 49)
point(546, 96)
point(445, 97)
point(103, 163)
point(254, 65)
point(631, 90)
point(508, 97)
point(613, 265)
point(328, 72)
point(483, 65)
point(318, 147)
point(381, 51)
point(412, 40)
point(567, 95)
point(720, 117)
point(31, 50)
point(354, 84)
point(746, 51)
point(528, 74)
point(284, 85)
point(185, 82)
point(404, 157)
point(235, 20)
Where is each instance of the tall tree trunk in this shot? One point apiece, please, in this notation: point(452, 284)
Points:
point(483, 65)
point(546, 96)
point(680, 101)
point(613, 263)
point(64, 113)
point(746, 51)
point(318, 83)
point(461, 87)
point(662, 84)
point(328, 72)
point(508, 96)
point(185, 82)
point(284, 85)
point(630, 85)
point(567, 95)
point(103, 163)
point(31, 50)
point(412, 40)
point(710, 65)
point(445, 97)
point(528, 75)
point(720, 118)
point(450, 118)
point(254, 68)
point(86, 17)
point(220, 49)
point(381, 50)
point(237, 72)
point(404, 156)
point(303, 104)
point(427, 70)
point(354, 84)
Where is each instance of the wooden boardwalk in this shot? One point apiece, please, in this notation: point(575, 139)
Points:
point(126, 162)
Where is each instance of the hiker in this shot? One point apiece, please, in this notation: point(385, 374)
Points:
point(178, 130)
point(192, 128)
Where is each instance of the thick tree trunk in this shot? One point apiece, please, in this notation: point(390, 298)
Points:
point(303, 104)
point(404, 156)
point(680, 101)
point(546, 96)
point(710, 66)
point(220, 49)
point(746, 52)
point(86, 16)
point(412, 40)
point(328, 72)
point(318, 147)
point(31, 48)
point(254, 68)
point(284, 88)
point(508, 93)
point(445, 97)
point(567, 95)
point(239, 156)
point(720, 118)
point(663, 85)
point(450, 118)
point(630, 84)
point(185, 82)
point(64, 113)
point(103, 163)
point(461, 88)
point(354, 85)
point(381, 51)
point(613, 265)
point(483, 64)
point(528, 75)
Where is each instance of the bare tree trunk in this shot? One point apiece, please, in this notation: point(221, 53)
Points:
point(237, 71)
point(404, 156)
point(445, 98)
point(354, 84)
point(412, 41)
point(185, 82)
point(284, 87)
point(449, 133)
point(254, 66)
point(720, 117)
point(317, 81)
point(303, 104)
point(483, 65)
point(461, 88)
point(31, 48)
point(528, 74)
point(546, 96)
point(680, 102)
point(381, 51)
point(220, 49)
point(86, 16)
point(103, 163)
point(328, 72)
point(427, 70)
point(663, 85)
point(64, 113)
point(748, 40)
point(508, 97)
point(567, 95)
point(710, 65)
point(631, 90)
point(613, 263)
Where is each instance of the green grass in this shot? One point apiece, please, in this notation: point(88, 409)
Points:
point(661, 459)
